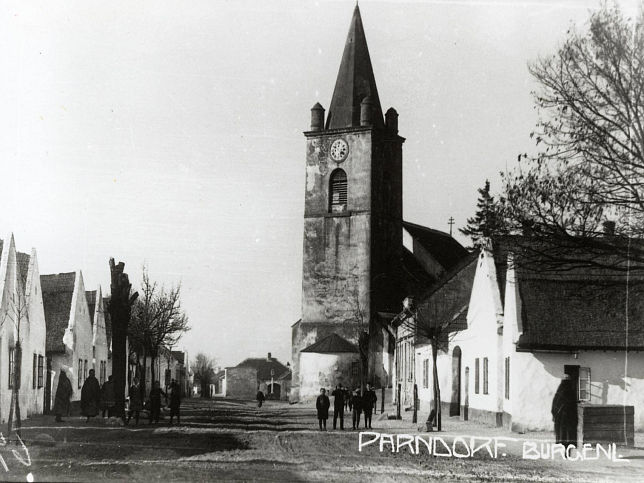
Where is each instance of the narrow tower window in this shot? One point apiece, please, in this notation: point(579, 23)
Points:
point(338, 192)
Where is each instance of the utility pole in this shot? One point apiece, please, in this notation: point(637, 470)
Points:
point(450, 222)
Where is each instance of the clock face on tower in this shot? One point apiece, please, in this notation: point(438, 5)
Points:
point(339, 150)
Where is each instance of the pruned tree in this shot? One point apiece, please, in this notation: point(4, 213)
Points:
point(120, 308)
point(157, 320)
point(204, 372)
point(589, 166)
point(488, 219)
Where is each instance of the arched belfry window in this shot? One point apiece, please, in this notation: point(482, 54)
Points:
point(338, 192)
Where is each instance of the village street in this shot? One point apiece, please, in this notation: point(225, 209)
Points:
point(234, 440)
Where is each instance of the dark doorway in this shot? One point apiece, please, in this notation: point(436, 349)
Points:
point(455, 404)
point(274, 391)
point(47, 398)
point(466, 402)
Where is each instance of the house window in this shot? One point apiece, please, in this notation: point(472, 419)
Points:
point(507, 377)
point(85, 370)
point(426, 373)
point(584, 383)
point(34, 374)
point(355, 368)
point(476, 376)
point(80, 373)
point(12, 366)
point(41, 363)
point(485, 375)
point(338, 192)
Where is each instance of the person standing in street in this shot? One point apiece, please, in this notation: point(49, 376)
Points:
point(369, 400)
point(135, 402)
point(108, 397)
point(260, 398)
point(338, 406)
point(322, 405)
point(564, 412)
point(64, 393)
point(356, 403)
point(90, 396)
point(175, 402)
point(155, 402)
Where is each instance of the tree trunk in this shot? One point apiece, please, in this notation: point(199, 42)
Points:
point(120, 307)
point(144, 373)
point(437, 391)
point(15, 391)
point(153, 359)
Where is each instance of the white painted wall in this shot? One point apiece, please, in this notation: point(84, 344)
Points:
point(325, 370)
point(79, 340)
point(99, 338)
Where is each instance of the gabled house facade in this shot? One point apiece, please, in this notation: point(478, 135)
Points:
point(100, 360)
point(70, 333)
point(21, 319)
point(526, 329)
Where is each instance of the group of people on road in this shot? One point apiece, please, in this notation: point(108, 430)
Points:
point(343, 398)
point(95, 398)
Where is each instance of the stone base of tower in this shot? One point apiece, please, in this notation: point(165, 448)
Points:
point(313, 370)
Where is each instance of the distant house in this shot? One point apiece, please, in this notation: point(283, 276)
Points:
point(182, 372)
point(257, 374)
point(100, 362)
point(70, 333)
point(21, 305)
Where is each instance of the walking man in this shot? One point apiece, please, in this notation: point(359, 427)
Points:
point(338, 406)
point(155, 402)
point(322, 405)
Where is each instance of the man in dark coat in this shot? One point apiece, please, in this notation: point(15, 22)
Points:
point(175, 401)
point(108, 397)
point(136, 405)
point(369, 401)
point(90, 396)
point(356, 402)
point(260, 398)
point(64, 392)
point(155, 402)
point(322, 405)
point(564, 412)
point(338, 406)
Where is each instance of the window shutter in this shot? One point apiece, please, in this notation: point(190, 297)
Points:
point(338, 191)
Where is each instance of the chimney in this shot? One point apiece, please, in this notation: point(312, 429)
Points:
point(269, 357)
point(317, 117)
point(609, 228)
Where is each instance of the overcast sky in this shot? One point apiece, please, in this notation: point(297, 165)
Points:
point(170, 134)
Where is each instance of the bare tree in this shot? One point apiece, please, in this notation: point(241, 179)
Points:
point(157, 320)
point(204, 372)
point(589, 167)
point(16, 314)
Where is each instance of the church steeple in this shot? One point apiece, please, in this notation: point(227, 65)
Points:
point(355, 81)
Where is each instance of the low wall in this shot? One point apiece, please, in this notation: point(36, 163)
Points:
point(606, 424)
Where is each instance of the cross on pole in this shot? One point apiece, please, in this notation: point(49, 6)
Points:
point(450, 222)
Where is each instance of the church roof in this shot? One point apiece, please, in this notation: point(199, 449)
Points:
point(355, 81)
point(57, 291)
point(443, 247)
point(331, 344)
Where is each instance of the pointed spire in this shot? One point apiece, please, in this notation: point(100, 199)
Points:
point(355, 81)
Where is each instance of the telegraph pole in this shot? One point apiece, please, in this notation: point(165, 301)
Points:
point(450, 222)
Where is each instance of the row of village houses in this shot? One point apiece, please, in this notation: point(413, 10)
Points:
point(60, 326)
point(511, 332)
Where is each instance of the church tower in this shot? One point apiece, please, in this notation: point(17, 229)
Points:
point(352, 214)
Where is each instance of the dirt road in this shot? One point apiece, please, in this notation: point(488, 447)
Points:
point(234, 440)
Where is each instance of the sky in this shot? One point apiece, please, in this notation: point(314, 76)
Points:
point(169, 134)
